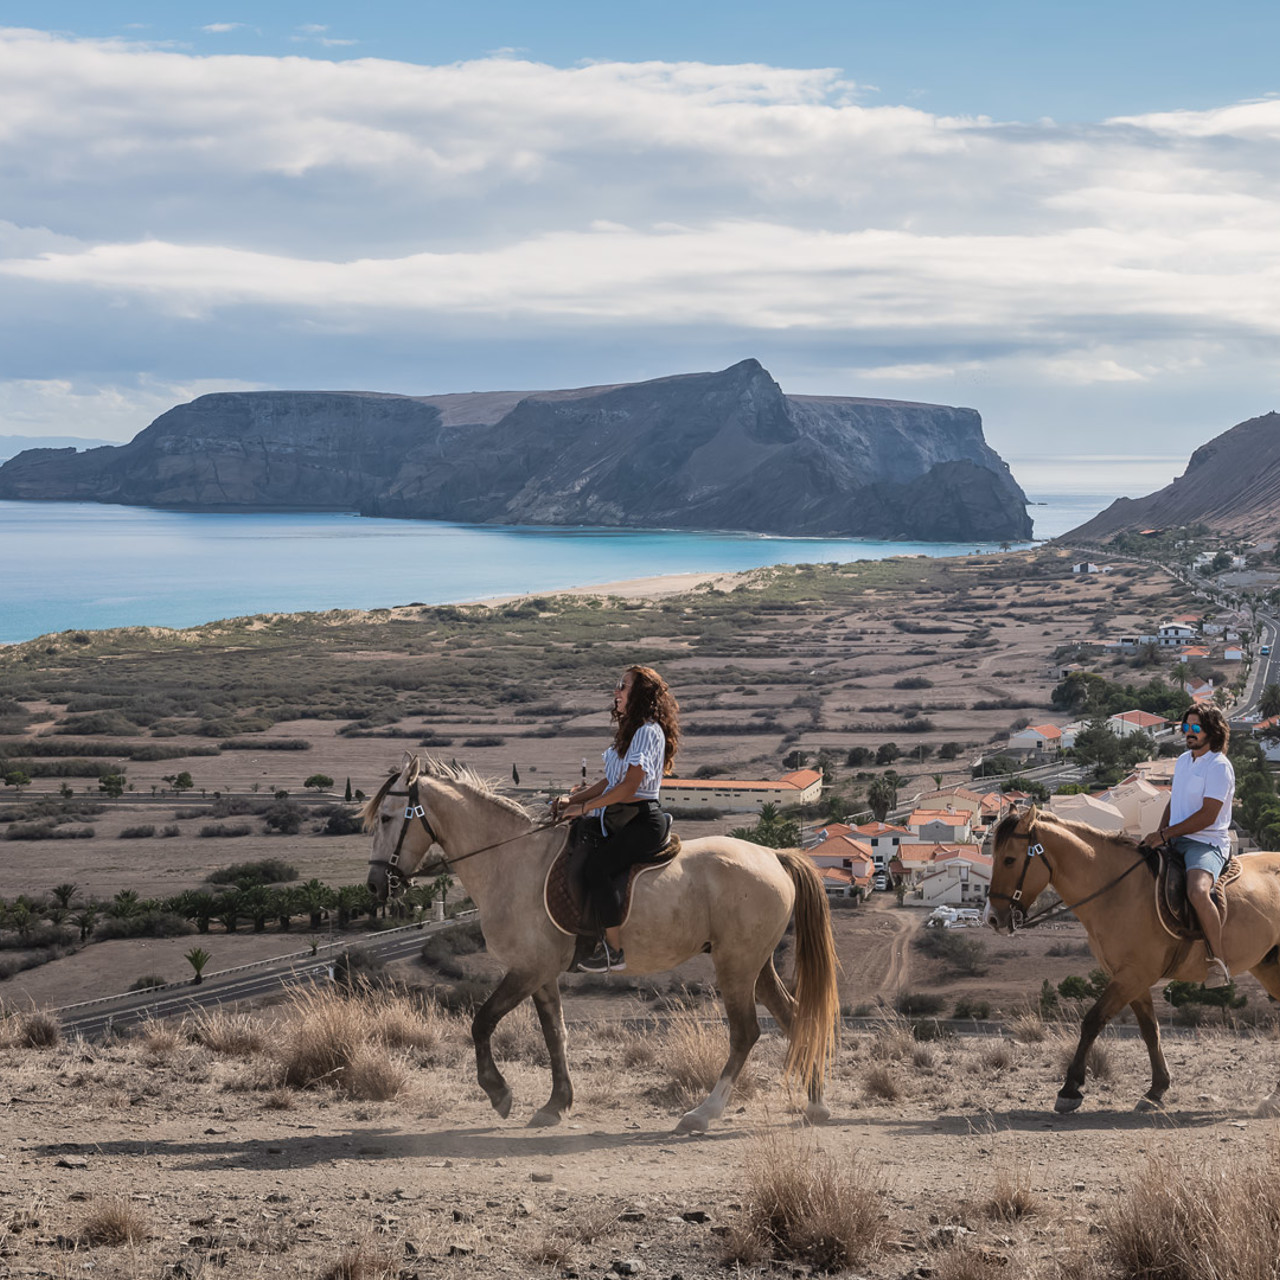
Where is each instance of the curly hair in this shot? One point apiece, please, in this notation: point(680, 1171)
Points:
point(650, 699)
point(1214, 722)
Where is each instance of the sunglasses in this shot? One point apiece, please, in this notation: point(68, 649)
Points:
point(1192, 728)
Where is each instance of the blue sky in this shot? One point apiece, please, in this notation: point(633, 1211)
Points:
point(1063, 216)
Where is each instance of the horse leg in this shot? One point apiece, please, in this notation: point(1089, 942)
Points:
point(1112, 1000)
point(1267, 972)
point(547, 1002)
point(1150, 1028)
point(778, 1000)
point(513, 988)
point(744, 1031)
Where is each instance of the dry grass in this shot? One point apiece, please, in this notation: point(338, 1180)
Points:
point(583, 1225)
point(363, 1261)
point(881, 1082)
point(38, 1030)
point(237, 1035)
point(159, 1041)
point(968, 1262)
point(1028, 1027)
point(800, 1203)
point(114, 1220)
point(1099, 1062)
point(1191, 1219)
point(1011, 1197)
point(1002, 1055)
point(691, 1054)
point(519, 1038)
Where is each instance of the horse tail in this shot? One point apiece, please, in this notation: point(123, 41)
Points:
point(817, 1002)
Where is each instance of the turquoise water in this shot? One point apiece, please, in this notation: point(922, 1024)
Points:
point(85, 566)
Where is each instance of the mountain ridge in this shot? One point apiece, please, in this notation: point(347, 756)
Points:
point(719, 450)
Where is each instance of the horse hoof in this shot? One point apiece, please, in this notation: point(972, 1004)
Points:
point(502, 1104)
point(544, 1119)
point(1064, 1105)
point(691, 1122)
point(817, 1113)
point(1148, 1104)
point(1268, 1107)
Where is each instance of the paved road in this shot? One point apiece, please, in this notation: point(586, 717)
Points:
point(113, 1013)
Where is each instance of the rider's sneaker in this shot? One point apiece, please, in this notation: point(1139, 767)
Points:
point(1218, 975)
point(603, 960)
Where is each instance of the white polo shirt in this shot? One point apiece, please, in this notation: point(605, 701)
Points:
point(1211, 777)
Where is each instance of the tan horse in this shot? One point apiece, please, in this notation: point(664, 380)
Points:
point(725, 894)
point(1100, 877)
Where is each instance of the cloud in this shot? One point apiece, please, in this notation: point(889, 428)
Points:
point(221, 28)
point(269, 200)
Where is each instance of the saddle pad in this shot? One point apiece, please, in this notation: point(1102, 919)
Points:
point(562, 891)
point(1173, 909)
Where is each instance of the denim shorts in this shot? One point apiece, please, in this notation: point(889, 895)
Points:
point(1198, 855)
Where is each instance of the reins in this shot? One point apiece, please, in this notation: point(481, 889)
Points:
point(415, 809)
point(1036, 850)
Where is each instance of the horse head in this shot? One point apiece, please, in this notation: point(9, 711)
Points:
point(1019, 872)
point(397, 818)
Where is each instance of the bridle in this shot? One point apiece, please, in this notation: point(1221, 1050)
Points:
point(1020, 920)
point(414, 810)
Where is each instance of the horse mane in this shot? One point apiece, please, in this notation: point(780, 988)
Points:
point(1095, 835)
point(460, 775)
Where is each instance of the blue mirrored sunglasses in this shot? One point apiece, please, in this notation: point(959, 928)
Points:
point(1192, 728)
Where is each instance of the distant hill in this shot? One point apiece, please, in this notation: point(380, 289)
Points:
point(11, 446)
point(724, 450)
point(1231, 484)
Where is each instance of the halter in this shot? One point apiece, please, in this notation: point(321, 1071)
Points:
point(414, 809)
point(1018, 920)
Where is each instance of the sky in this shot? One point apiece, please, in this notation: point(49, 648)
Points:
point(1063, 216)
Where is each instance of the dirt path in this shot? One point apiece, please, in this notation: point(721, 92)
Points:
point(881, 961)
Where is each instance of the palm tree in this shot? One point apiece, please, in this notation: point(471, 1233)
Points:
point(64, 893)
point(125, 905)
point(85, 919)
point(881, 797)
point(1269, 703)
point(315, 898)
point(198, 957)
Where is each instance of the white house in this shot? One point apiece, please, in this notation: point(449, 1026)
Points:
point(884, 840)
point(1198, 690)
point(1036, 737)
point(1125, 723)
point(960, 879)
point(1172, 635)
point(1233, 653)
point(743, 795)
point(1084, 567)
point(942, 826)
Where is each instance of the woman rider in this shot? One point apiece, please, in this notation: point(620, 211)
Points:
point(1197, 821)
point(629, 825)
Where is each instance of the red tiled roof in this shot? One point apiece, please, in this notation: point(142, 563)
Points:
point(1141, 718)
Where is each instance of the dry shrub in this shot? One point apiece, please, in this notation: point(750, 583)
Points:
point(332, 1039)
point(374, 1075)
point(692, 1052)
point(1028, 1027)
point(278, 1100)
point(1011, 1198)
point(114, 1220)
point(403, 1022)
point(1187, 1218)
point(967, 1262)
point(924, 1057)
point(638, 1052)
point(158, 1041)
point(799, 1203)
point(238, 1035)
point(1098, 1061)
point(38, 1030)
point(1003, 1055)
point(518, 1037)
point(880, 1082)
point(895, 1041)
point(363, 1261)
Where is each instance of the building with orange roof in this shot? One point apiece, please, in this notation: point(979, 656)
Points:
point(960, 878)
point(933, 825)
point(1124, 723)
point(743, 795)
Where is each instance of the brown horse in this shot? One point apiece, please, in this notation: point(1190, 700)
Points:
point(719, 893)
point(1101, 878)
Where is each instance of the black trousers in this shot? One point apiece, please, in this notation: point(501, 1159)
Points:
point(611, 855)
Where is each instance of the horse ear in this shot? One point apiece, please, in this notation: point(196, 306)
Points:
point(410, 766)
point(1028, 820)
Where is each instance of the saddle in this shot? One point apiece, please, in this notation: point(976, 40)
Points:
point(1173, 909)
point(564, 890)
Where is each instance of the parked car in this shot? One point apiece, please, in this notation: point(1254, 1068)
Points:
point(965, 918)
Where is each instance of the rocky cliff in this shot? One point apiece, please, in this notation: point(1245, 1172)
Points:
point(1231, 484)
point(724, 450)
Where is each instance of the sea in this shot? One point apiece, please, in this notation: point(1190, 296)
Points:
point(84, 566)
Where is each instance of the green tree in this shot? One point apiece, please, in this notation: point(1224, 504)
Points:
point(347, 795)
point(882, 797)
point(1269, 703)
point(85, 920)
point(318, 782)
point(125, 905)
point(315, 898)
point(112, 785)
point(17, 778)
point(1097, 747)
point(64, 893)
point(197, 958)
